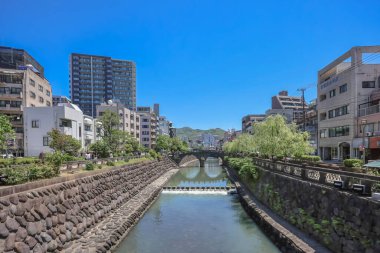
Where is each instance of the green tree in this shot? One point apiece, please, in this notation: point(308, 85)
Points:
point(131, 144)
point(163, 143)
point(110, 133)
point(272, 137)
point(6, 131)
point(100, 148)
point(64, 143)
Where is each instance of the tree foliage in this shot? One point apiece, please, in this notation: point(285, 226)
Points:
point(165, 144)
point(100, 148)
point(64, 143)
point(6, 131)
point(272, 137)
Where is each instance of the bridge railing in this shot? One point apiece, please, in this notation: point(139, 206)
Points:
point(360, 182)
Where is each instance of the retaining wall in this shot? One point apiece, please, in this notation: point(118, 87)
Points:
point(342, 221)
point(51, 218)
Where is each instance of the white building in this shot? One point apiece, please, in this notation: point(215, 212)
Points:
point(343, 85)
point(67, 118)
point(164, 126)
point(148, 126)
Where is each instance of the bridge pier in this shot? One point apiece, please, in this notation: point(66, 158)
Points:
point(202, 162)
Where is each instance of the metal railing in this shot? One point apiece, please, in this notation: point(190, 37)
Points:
point(320, 175)
point(369, 110)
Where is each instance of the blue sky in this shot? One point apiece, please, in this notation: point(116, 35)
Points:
point(207, 63)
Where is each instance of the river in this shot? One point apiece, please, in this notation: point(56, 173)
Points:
point(197, 223)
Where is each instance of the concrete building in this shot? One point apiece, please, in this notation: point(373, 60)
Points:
point(310, 124)
point(97, 79)
point(13, 58)
point(20, 89)
point(209, 140)
point(148, 126)
point(67, 118)
point(344, 85)
point(249, 120)
point(129, 120)
point(164, 126)
point(291, 107)
point(60, 100)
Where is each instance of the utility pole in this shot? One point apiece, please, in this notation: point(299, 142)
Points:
point(303, 107)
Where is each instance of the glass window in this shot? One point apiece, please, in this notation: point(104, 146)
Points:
point(41, 99)
point(32, 82)
point(15, 90)
point(323, 133)
point(32, 94)
point(48, 103)
point(45, 140)
point(332, 93)
point(65, 123)
point(368, 84)
point(48, 93)
point(35, 123)
point(40, 88)
point(343, 88)
point(16, 104)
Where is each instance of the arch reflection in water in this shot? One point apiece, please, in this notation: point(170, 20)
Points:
point(211, 175)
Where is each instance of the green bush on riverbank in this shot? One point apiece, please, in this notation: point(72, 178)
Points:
point(244, 166)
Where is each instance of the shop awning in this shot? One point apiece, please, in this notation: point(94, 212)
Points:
point(374, 164)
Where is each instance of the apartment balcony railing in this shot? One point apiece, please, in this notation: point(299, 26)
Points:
point(369, 110)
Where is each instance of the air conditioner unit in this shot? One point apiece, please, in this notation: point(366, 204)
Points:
point(368, 134)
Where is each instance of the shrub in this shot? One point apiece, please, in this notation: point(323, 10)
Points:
point(310, 158)
point(18, 175)
point(110, 163)
point(99, 166)
point(89, 166)
point(353, 163)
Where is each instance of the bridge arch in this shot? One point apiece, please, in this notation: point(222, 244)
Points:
point(201, 155)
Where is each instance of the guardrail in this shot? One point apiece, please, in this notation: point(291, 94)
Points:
point(72, 165)
point(358, 182)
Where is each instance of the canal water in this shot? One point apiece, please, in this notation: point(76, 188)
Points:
point(192, 223)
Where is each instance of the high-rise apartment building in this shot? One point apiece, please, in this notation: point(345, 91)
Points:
point(97, 79)
point(347, 107)
point(60, 100)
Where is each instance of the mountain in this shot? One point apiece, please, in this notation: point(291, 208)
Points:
point(194, 133)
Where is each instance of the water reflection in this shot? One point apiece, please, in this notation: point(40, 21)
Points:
point(211, 175)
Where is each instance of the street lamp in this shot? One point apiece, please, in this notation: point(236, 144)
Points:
point(363, 122)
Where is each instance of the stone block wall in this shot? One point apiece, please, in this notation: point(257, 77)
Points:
point(48, 219)
point(340, 220)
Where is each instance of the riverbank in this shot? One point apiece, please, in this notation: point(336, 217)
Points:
point(58, 216)
point(284, 235)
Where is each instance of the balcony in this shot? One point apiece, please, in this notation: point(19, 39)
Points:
point(369, 110)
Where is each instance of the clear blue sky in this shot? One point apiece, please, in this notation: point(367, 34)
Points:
point(207, 63)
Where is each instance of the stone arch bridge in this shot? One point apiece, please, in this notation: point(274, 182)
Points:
point(201, 155)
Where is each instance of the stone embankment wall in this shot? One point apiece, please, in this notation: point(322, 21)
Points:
point(53, 218)
point(342, 221)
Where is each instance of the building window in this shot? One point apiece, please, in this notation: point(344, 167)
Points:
point(41, 99)
point(32, 94)
point(15, 90)
point(322, 97)
point(48, 103)
point(16, 104)
point(32, 82)
point(80, 131)
point(343, 88)
point(48, 93)
point(65, 123)
point(45, 140)
point(3, 103)
point(332, 93)
point(35, 123)
point(338, 112)
point(40, 88)
point(368, 84)
point(87, 128)
point(339, 131)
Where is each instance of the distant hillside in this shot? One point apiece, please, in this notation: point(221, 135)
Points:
point(193, 133)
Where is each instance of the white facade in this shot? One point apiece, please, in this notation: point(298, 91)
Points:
point(342, 85)
point(67, 118)
point(163, 126)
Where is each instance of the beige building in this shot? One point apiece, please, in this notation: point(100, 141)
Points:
point(20, 89)
point(149, 126)
point(129, 120)
point(249, 120)
point(291, 107)
point(343, 85)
